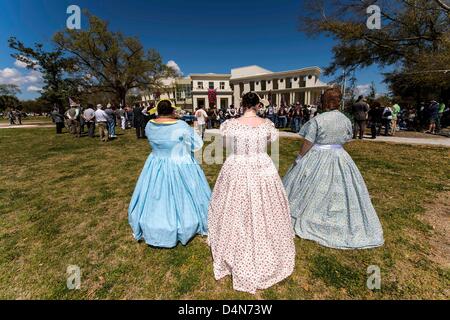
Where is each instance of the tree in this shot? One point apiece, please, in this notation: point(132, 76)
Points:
point(8, 97)
point(413, 39)
point(9, 90)
point(8, 102)
point(54, 67)
point(110, 61)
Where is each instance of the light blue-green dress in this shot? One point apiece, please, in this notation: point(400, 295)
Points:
point(327, 195)
point(170, 200)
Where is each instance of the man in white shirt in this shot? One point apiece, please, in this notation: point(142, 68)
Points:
point(202, 117)
point(89, 118)
point(101, 118)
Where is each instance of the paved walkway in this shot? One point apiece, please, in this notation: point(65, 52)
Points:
point(27, 125)
point(435, 141)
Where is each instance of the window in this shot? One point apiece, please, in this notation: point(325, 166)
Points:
point(275, 84)
point(211, 85)
point(222, 86)
point(199, 85)
point(252, 86)
point(288, 83)
point(263, 85)
point(302, 82)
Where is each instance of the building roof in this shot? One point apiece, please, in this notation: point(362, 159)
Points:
point(210, 76)
point(257, 72)
point(248, 71)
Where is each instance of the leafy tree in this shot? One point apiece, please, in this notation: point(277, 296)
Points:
point(413, 39)
point(110, 61)
point(8, 102)
point(8, 97)
point(9, 90)
point(54, 67)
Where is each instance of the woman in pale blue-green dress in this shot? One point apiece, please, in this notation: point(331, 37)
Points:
point(171, 197)
point(327, 195)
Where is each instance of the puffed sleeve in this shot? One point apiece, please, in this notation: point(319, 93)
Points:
point(309, 131)
point(274, 134)
point(194, 141)
point(224, 128)
point(348, 130)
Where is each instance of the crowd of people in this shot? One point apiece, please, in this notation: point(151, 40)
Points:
point(14, 117)
point(105, 119)
point(428, 118)
point(387, 120)
point(284, 116)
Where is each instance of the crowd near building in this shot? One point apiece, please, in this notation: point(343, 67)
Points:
point(280, 88)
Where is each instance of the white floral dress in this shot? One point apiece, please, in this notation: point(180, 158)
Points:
point(250, 230)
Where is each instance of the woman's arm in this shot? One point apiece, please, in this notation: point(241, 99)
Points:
point(307, 145)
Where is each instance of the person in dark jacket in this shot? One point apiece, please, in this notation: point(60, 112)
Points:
point(375, 119)
point(359, 111)
point(139, 121)
point(58, 119)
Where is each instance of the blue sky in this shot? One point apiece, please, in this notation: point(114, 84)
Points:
point(200, 36)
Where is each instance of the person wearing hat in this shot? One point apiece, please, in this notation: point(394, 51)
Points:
point(73, 118)
point(170, 201)
point(101, 119)
point(58, 119)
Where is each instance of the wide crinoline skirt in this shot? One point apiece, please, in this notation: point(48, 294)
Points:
point(330, 203)
point(170, 202)
point(250, 231)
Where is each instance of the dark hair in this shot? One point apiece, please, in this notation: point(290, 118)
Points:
point(376, 104)
point(250, 100)
point(165, 108)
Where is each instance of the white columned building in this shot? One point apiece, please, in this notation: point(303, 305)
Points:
point(201, 83)
point(287, 87)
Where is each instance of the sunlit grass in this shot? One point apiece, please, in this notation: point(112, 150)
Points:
point(63, 201)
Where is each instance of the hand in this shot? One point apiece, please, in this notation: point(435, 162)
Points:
point(298, 159)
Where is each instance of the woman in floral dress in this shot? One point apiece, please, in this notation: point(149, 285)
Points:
point(250, 230)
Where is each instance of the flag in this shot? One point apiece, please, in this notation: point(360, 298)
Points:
point(73, 103)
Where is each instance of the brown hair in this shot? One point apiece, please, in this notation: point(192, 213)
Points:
point(331, 92)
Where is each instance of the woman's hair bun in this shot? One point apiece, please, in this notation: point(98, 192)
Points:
point(250, 100)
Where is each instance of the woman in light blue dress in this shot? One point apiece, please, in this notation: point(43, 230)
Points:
point(170, 201)
point(327, 195)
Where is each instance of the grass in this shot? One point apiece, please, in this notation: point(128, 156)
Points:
point(64, 202)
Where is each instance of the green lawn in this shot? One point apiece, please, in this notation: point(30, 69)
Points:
point(64, 202)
